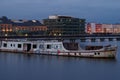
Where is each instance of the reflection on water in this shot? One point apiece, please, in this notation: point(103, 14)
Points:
point(13, 56)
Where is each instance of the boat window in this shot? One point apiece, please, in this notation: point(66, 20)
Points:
point(98, 53)
point(48, 46)
point(11, 45)
point(56, 46)
point(60, 46)
point(70, 46)
point(19, 45)
point(41, 46)
point(93, 47)
point(5, 45)
point(34, 46)
point(14, 45)
point(95, 53)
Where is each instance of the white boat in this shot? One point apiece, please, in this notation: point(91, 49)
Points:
point(57, 48)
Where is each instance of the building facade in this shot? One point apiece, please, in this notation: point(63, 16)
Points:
point(102, 28)
point(30, 30)
point(64, 25)
point(21, 27)
point(6, 29)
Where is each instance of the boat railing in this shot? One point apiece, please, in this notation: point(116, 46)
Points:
point(25, 40)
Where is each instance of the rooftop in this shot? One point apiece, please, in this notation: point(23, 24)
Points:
point(58, 16)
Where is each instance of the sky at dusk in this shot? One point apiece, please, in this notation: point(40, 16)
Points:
point(101, 11)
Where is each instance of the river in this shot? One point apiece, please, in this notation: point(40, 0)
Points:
point(38, 67)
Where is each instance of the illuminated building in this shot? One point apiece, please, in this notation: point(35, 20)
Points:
point(64, 25)
point(102, 28)
point(6, 29)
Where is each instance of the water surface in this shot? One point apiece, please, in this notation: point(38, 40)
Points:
point(38, 67)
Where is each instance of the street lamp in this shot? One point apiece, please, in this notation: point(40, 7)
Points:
point(26, 34)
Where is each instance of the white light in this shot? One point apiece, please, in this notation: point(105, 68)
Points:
point(6, 34)
point(33, 20)
point(26, 34)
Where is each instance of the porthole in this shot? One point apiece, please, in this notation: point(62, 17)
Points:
point(56, 46)
point(95, 53)
point(98, 53)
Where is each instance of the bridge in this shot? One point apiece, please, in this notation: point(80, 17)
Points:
point(82, 37)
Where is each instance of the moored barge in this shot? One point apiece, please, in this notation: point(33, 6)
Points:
point(59, 48)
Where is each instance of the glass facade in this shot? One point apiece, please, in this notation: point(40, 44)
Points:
point(64, 25)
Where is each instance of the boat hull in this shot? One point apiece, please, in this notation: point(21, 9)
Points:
point(87, 54)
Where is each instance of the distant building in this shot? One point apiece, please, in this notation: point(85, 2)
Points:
point(116, 28)
point(21, 27)
point(102, 28)
point(64, 25)
point(30, 30)
point(107, 28)
point(94, 28)
point(30, 27)
point(6, 29)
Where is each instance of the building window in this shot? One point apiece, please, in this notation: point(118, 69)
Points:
point(5, 45)
point(34, 46)
point(19, 45)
